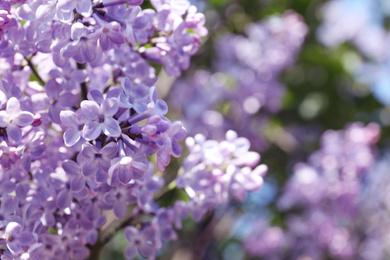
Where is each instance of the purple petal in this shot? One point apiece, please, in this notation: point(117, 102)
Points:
point(14, 133)
point(88, 51)
point(111, 127)
point(103, 41)
point(127, 86)
point(130, 36)
point(77, 184)
point(84, 7)
point(24, 119)
point(78, 30)
point(130, 233)
point(92, 130)
point(110, 106)
point(146, 250)
point(124, 174)
point(69, 119)
point(67, 100)
point(4, 119)
point(101, 176)
point(96, 96)
point(162, 107)
point(90, 109)
point(141, 92)
point(116, 37)
point(70, 50)
point(109, 151)
point(25, 238)
point(14, 247)
point(176, 149)
point(25, 12)
point(54, 113)
point(130, 252)
point(44, 46)
point(71, 137)
point(52, 89)
point(90, 168)
point(64, 199)
point(9, 204)
point(45, 13)
point(71, 167)
point(13, 106)
point(89, 151)
point(26, 161)
point(140, 22)
point(120, 209)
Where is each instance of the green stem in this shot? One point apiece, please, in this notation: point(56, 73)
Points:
point(34, 71)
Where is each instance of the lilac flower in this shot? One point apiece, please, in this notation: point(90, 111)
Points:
point(213, 170)
point(125, 168)
point(33, 149)
point(134, 96)
point(6, 20)
point(13, 118)
point(109, 34)
point(81, 45)
point(100, 118)
point(75, 124)
point(57, 100)
point(68, 129)
point(65, 9)
point(16, 237)
point(141, 241)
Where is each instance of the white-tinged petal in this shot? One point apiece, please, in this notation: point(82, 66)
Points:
point(13, 106)
point(111, 127)
point(69, 119)
point(90, 109)
point(92, 130)
point(71, 136)
point(4, 119)
point(23, 119)
point(110, 106)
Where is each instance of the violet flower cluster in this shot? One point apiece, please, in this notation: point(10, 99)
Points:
point(245, 87)
point(322, 201)
point(80, 119)
point(215, 171)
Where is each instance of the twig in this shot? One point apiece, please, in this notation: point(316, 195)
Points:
point(34, 71)
point(84, 89)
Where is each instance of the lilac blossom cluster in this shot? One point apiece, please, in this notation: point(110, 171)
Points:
point(245, 85)
point(361, 23)
point(81, 120)
point(322, 201)
point(215, 171)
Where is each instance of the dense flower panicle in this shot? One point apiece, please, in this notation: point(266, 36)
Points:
point(373, 212)
point(326, 192)
point(215, 171)
point(245, 84)
point(80, 118)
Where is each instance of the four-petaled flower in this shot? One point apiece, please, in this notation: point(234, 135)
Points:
point(13, 119)
point(100, 118)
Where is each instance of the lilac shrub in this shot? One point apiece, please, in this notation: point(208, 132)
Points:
point(81, 124)
point(322, 201)
point(244, 87)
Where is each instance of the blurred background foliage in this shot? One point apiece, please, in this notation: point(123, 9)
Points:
point(320, 95)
